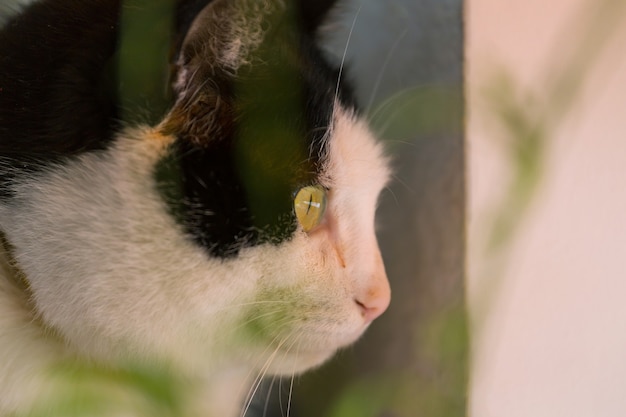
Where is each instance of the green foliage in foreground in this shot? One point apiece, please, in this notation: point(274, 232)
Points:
point(83, 390)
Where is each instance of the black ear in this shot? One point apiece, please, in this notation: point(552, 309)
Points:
point(313, 13)
point(186, 13)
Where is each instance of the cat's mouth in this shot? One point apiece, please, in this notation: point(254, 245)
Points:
point(314, 333)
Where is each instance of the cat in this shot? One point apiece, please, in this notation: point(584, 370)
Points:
point(234, 238)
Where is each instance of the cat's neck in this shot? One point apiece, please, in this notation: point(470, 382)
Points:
point(24, 340)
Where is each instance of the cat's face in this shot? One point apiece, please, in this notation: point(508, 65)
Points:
point(318, 291)
point(240, 230)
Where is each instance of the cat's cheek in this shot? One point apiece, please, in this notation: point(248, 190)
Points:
point(327, 251)
point(358, 264)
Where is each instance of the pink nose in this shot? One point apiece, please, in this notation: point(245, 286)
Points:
point(375, 300)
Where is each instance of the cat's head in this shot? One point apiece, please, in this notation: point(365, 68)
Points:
point(239, 228)
point(277, 169)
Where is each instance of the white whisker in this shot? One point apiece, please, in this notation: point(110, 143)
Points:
point(266, 314)
point(261, 374)
point(257, 381)
point(345, 51)
point(280, 395)
point(379, 78)
point(290, 394)
point(395, 198)
point(393, 98)
point(293, 375)
point(265, 368)
point(252, 303)
point(267, 397)
point(406, 186)
point(280, 391)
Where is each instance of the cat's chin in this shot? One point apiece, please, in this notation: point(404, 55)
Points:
point(309, 352)
point(297, 362)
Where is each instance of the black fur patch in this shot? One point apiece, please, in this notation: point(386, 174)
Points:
point(245, 143)
point(59, 81)
point(57, 89)
point(312, 13)
point(186, 12)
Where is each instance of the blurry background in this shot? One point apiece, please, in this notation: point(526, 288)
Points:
point(547, 207)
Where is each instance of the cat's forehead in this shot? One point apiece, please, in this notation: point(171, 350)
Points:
point(355, 158)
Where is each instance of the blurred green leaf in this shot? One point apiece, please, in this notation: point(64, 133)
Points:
point(143, 59)
point(81, 389)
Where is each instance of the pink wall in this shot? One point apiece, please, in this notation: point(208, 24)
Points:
point(554, 343)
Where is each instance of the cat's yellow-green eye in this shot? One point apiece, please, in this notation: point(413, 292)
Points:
point(309, 205)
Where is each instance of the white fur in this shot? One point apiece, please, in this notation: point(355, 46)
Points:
point(114, 275)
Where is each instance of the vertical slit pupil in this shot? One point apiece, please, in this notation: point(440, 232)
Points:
point(310, 203)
